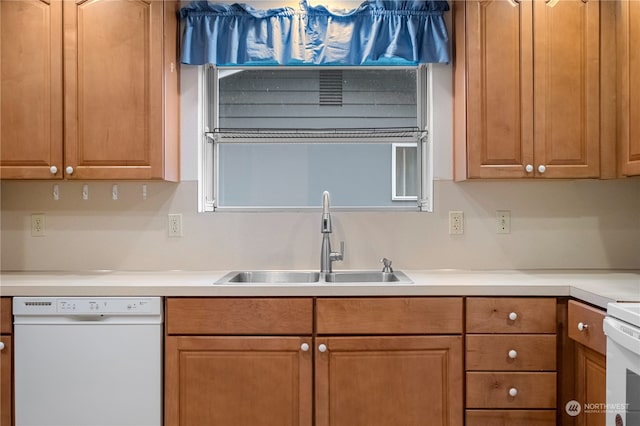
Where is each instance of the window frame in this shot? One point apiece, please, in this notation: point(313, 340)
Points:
point(208, 176)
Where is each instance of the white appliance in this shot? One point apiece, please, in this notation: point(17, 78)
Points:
point(622, 327)
point(83, 361)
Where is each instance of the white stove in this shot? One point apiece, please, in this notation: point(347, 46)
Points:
point(622, 327)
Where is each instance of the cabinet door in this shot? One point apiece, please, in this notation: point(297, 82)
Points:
point(31, 89)
point(629, 86)
point(591, 385)
point(381, 381)
point(224, 381)
point(6, 380)
point(499, 88)
point(567, 88)
point(113, 89)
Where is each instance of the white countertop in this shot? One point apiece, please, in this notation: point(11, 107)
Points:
point(597, 287)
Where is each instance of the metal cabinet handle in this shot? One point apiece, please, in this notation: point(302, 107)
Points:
point(582, 326)
point(528, 168)
point(53, 170)
point(513, 354)
point(541, 168)
point(513, 316)
point(322, 347)
point(1, 346)
point(304, 347)
point(69, 170)
point(513, 392)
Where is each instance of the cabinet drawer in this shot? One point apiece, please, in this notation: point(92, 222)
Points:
point(511, 315)
point(593, 335)
point(510, 352)
point(406, 315)
point(5, 315)
point(491, 390)
point(239, 316)
point(510, 418)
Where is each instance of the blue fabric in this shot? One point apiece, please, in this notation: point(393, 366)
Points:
point(388, 32)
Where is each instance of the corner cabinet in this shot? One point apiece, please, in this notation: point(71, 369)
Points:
point(585, 327)
point(120, 94)
point(628, 16)
point(527, 89)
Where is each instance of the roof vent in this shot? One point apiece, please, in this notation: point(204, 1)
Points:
point(331, 88)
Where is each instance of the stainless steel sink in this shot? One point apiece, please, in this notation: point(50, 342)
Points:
point(269, 277)
point(304, 277)
point(367, 277)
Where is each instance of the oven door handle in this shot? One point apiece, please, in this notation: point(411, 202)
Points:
point(617, 336)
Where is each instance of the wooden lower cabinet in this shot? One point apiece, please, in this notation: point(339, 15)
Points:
point(6, 363)
point(6, 399)
point(510, 363)
point(390, 380)
point(511, 418)
point(591, 385)
point(239, 381)
point(237, 362)
point(590, 388)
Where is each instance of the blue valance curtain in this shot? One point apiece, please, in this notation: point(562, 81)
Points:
point(378, 32)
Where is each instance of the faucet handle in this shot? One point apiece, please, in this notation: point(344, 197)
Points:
point(340, 255)
point(387, 265)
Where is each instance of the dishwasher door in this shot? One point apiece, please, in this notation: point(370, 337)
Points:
point(88, 361)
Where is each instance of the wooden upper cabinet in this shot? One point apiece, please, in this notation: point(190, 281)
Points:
point(567, 88)
point(30, 89)
point(120, 118)
point(628, 16)
point(114, 90)
point(529, 75)
point(499, 88)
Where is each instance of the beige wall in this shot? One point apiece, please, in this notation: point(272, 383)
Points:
point(558, 224)
point(555, 224)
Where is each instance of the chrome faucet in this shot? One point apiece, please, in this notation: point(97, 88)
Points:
point(327, 257)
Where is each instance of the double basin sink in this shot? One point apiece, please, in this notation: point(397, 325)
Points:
point(304, 277)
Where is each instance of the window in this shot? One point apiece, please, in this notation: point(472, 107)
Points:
point(277, 137)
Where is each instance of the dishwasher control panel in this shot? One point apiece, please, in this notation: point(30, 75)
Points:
point(37, 306)
point(103, 306)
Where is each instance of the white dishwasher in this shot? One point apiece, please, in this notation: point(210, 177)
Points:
point(83, 361)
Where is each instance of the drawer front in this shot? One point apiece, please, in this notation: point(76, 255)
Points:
point(511, 315)
point(239, 316)
point(491, 390)
point(5, 315)
point(510, 418)
point(592, 336)
point(405, 315)
point(511, 352)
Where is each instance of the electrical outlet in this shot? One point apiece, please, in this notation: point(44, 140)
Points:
point(503, 221)
point(175, 225)
point(37, 225)
point(456, 222)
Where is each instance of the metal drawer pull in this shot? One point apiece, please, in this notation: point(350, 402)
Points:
point(513, 354)
point(582, 326)
point(513, 392)
point(304, 347)
point(513, 316)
